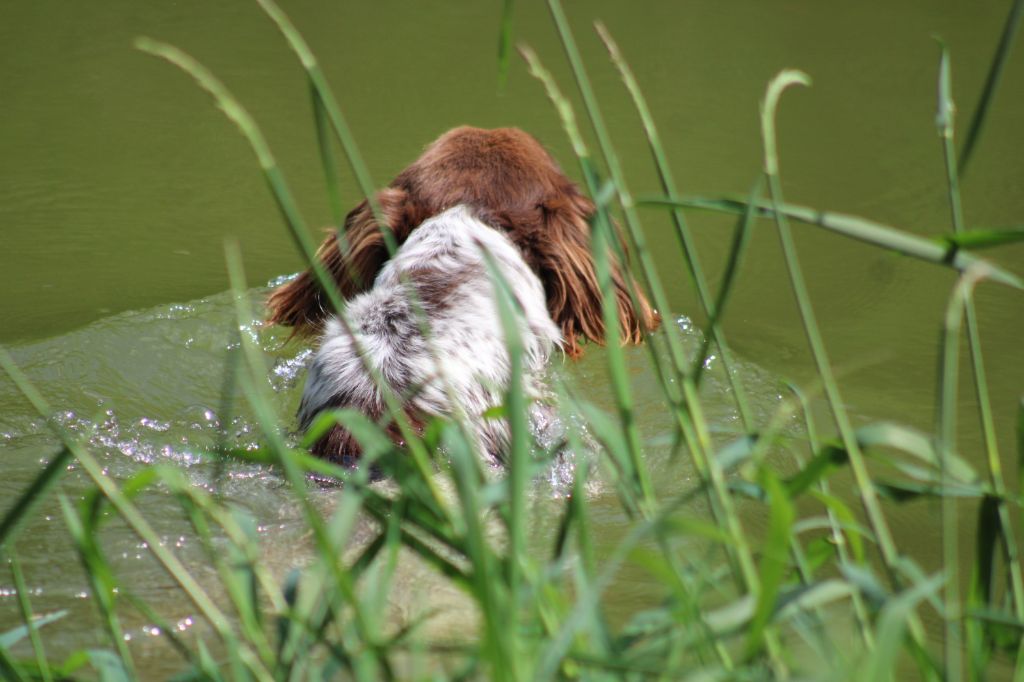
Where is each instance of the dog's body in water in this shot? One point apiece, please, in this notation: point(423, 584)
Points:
point(438, 280)
point(471, 188)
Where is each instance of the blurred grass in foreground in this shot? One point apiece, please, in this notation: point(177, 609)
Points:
point(819, 591)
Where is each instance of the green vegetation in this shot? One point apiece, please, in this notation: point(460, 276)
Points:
point(818, 590)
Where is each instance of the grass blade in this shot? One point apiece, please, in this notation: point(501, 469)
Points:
point(984, 239)
point(600, 242)
point(33, 495)
point(945, 434)
point(31, 623)
point(282, 195)
point(1020, 447)
point(774, 559)
point(712, 308)
point(505, 42)
point(332, 182)
point(170, 563)
point(9, 668)
point(695, 431)
point(895, 618)
point(12, 637)
point(988, 93)
point(517, 410)
point(101, 580)
point(854, 227)
point(330, 106)
point(945, 124)
point(865, 486)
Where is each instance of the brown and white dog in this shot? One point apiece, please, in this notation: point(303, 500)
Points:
point(508, 198)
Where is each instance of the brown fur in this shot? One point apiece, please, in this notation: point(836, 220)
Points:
point(341, 447)
point(511, 183)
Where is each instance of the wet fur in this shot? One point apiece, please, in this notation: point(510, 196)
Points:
point(441, 268)
point(511, 183)
point(514, 197)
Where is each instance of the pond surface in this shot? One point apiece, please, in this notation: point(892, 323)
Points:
point(120, 182)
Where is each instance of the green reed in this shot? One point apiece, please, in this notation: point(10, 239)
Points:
point(738, 603)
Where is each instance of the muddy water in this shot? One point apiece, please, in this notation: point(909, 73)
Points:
point(119, 183)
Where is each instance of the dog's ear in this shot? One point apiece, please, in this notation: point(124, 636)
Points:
point(352, 259)
point(567, 269)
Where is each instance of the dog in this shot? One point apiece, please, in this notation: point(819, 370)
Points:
point(472, 189)
point(439, 277)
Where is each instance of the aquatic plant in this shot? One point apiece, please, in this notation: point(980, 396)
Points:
point(818, 590)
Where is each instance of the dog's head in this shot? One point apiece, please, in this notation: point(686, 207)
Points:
point(512, 183)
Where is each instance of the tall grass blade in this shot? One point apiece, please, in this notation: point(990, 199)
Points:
point(289, 209)
point(505, 42)
point(254, 385)
point(167, 631)
point(110, 666)
point(984, 239)
point(688, 418)
point(268, 164)
point(494, 605)
point(1020, 447)
point(894, 620)
point(15, 635)
point(865, 486)
point(774, 559)
point(988, 534)
point(712, 308)
point(600, 242)
point(824, 462)
point(331, 179)
point(517, 411)
point(170, 563)
point(945, 427)
point(741, 238)
point(101, 580)
point(32, 496)
point(861, 229)
point(31, 623)
point(695, 432)
point(988, 93)
point(319, 83)
point(10, 669)
point(837, 538)
point(617, 188)
point(945, 124)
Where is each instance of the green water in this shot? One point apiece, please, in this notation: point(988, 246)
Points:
point(119, 183)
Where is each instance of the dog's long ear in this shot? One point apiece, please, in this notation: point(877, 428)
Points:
point(567, 270)
point(302, 302)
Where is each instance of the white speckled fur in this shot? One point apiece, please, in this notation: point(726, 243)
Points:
point(443, 260)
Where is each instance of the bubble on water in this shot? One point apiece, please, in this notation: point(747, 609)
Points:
point(154, 425)
point(282, 279)
point(688, 328)
point(251, 331)
point(285, 372)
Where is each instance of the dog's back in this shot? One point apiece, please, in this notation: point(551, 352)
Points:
point(462, 358)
